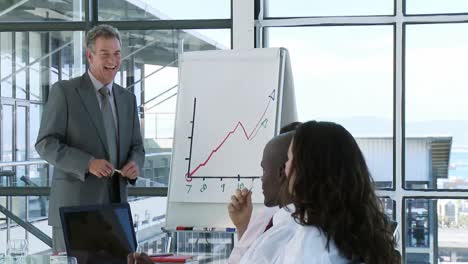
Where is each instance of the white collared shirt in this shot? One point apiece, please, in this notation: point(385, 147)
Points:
point(288, 242)
point(257, 224)
point(98, 85)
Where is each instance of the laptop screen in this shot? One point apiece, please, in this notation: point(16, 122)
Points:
point(98, 234)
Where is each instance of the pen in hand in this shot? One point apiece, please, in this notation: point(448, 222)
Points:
point(251, 186)
point(116, 171)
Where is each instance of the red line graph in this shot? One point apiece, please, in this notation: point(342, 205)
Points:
point(248, 137)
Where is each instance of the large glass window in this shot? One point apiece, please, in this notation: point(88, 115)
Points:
point(310, 8)
point(38, 176)
point(32, 60)
point(37, 65)
point(21, 133)
point(7, 132)
point(414, 7)
point(436, 110)
point(35, 112)
point(400, 90)
point(388, 206)
point(21, 60)
point(148, 215)
point(6, 64)
point(436, 230)
point(163, 9)
point(30, 208)
point(345, 75)
point(42, 10)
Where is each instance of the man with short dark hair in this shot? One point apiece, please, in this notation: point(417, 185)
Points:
point(90, 129)
point(240, 209)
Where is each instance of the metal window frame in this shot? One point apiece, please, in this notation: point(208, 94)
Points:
point(399, 193)
point(91, 19)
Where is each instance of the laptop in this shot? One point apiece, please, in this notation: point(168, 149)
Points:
point(98, 233)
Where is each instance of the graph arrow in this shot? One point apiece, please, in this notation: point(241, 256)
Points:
point(272, 95)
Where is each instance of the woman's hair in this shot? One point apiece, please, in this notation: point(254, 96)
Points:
point(333, 191)
point(290, 127)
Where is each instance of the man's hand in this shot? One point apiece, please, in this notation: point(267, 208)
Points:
point(101, 168)
point(240, 210)
point(130, 170)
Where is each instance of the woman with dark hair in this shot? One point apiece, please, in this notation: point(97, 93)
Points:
point(335, 215)
point(335, 204)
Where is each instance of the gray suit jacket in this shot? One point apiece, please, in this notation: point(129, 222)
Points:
point(72, 133)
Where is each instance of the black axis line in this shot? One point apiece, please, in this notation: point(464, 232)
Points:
point(191, 137)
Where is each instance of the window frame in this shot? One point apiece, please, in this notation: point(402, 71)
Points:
point(398, 193)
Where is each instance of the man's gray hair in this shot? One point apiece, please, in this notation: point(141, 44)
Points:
point(103, 30)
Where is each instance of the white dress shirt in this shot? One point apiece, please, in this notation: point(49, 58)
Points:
point(308, 245)
point(291, 243)
point(257, 224)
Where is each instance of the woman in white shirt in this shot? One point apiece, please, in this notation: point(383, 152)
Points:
point(338, 213)
point(335, 216)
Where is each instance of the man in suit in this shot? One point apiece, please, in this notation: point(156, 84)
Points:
point(89, 128)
